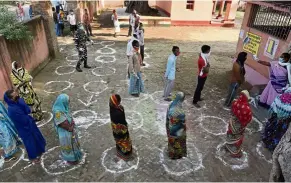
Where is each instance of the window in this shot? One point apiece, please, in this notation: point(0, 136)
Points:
point(274, 22)
point(190, 5)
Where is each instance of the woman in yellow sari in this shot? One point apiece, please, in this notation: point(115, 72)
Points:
point(22, 80)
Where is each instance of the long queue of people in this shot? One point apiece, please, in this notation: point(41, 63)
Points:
point(24, 107)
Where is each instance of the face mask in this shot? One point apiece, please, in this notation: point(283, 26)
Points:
point(281, 60)
point(72, 13)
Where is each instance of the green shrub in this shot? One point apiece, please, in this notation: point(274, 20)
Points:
point(10, 28)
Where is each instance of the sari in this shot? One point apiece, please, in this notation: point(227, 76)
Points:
point(279, 121)
point(69, 142)
point(120, 129)
point(176, 128)
point(241, 117)
point(9, 139)
point(22, 80)
point(278, 80)
point(19, 112)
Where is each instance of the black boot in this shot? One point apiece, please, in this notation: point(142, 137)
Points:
point(78, 68)
point(87, 66)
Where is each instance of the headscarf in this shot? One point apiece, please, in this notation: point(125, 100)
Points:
point(241, 58)
point(241, 108)
point(282, 104)
point(113, 102)
point(62, 105)
point(175, 108)
point(19, 72)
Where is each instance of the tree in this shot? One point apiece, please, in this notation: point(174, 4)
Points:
point(10, 27)
point(142, 7)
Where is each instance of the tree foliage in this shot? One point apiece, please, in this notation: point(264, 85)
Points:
point(10, 27)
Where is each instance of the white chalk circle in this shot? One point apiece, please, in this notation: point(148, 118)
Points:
point(157, 97)
point(106, 50)
point(73, 58)
point(103, 71)
point(259, 125)
point(114, 164)
point(95, 87)
point(107, 43)
point(213, 124)
point(227, 160)
point(56, 84)
point(103, 119)
point(11, 164)
point(260, 149)
point(53, 164)
point(135, 120)
point(84, 118)
point(48, 116)
point(105, 59)
point(65, 69)
point(192, 163)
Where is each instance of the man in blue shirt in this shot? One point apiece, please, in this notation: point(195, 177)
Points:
point(170, 73)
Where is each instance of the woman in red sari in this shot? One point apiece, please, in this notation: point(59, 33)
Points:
point(241, 117)
point(120, 128)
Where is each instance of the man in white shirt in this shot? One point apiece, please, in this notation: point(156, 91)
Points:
point(133, 22)
point(129, 49)
point(140, 35)
point(72, 20)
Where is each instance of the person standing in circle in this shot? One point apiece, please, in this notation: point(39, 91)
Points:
point(20, 114)
point(120, 128)
point(176, 128)
point(67, 130)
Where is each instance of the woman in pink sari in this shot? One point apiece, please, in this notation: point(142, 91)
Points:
point(278, 79)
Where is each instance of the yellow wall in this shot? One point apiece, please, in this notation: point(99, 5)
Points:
point(202, 11)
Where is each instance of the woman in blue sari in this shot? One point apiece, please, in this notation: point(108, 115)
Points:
point(176, 128)
point(66, 129)
point(20, 113)
point(9, 139)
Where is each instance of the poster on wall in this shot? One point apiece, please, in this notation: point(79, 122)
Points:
point(241, 33)
point(252, 43)
point(271, 47)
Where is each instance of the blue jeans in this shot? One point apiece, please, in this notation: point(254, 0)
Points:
point(231, 94)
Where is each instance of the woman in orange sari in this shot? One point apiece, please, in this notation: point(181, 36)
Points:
point(120, 128)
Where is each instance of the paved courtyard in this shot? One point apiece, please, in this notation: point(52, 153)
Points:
point(89, 93)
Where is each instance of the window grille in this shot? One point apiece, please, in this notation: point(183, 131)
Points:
point(190, 5)
point(274, 22)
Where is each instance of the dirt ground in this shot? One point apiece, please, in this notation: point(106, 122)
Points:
point(89, 93)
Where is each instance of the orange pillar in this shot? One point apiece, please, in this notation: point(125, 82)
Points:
point(221, 9)
point(227, 11)
point(214, 7)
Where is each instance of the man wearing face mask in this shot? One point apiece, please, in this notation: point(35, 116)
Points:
point(237, 77)
point(170, 73)
point(80, 42)
point(203, 69)
point(279, 78)
point(72, 20)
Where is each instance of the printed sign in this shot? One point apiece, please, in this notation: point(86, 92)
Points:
point(271, 47)
point(241, 34)
point(252, 43)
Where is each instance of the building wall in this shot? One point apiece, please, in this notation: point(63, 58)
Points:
point(30, 53)
point(166, 6)
point(113, 3)
point(202, 13)
point(258, 68)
